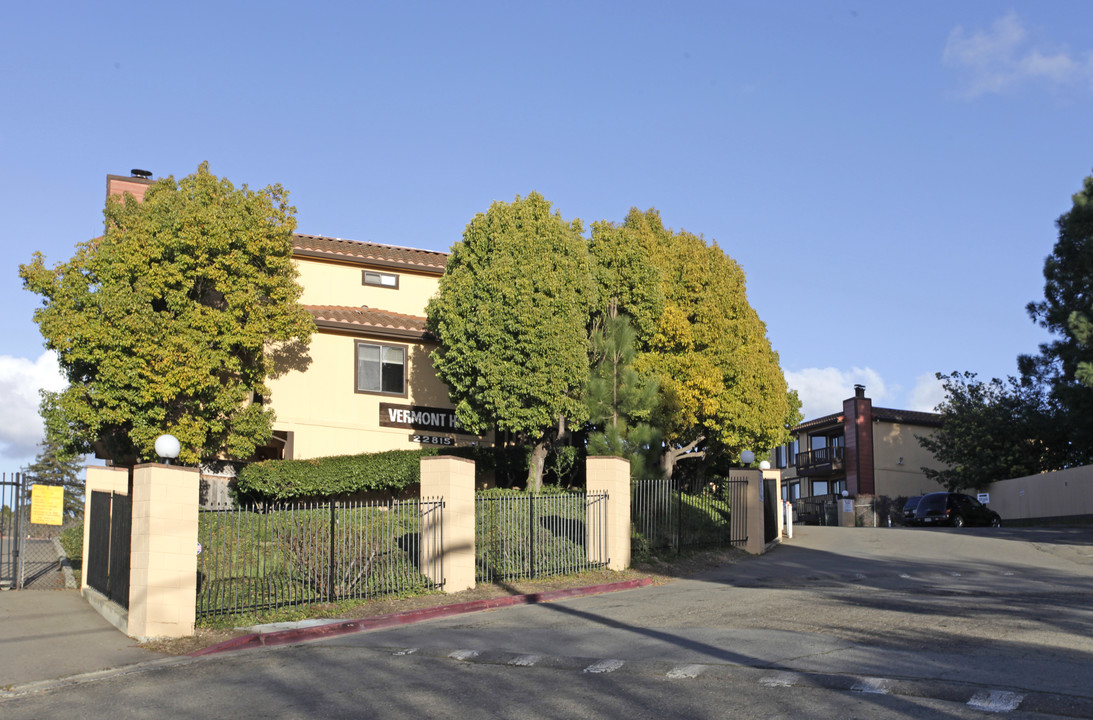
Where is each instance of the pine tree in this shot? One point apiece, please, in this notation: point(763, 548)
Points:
point(51, 467)
point(620, 400)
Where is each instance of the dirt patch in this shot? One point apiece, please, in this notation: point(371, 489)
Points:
point(659, 570)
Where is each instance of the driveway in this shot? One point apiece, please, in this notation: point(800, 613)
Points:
point(1002, 608)
point(880, 623)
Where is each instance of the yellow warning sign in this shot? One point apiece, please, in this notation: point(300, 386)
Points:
point(47, 504)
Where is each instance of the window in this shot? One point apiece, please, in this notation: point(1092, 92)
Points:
point(386, 280)
point(381, 369)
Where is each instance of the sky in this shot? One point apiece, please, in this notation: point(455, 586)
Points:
point(888, 175)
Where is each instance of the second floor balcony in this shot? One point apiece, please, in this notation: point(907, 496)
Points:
point(821, 461)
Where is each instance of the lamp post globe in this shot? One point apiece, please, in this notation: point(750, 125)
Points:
point(167, 446)
point(747, 457)
point(765, 465)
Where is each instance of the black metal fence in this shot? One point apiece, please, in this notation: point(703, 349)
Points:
point(668, 514)
point(817, 510)
point(13, 520)
point(528, 535)
point(261, 557)
point(108, 545)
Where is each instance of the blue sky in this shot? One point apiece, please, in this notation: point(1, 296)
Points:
point(888, 175)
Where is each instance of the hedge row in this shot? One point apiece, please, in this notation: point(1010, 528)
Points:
point(392, 471)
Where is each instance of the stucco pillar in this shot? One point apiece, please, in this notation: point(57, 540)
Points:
point(610, 475)
point(101, 479)
point(756, 543)
point(452, 480)
point(846, 517)
point(776, 501)
point(163, 566)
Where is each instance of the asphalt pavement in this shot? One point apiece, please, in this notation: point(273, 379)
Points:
point(856, 606)
point(47, 634)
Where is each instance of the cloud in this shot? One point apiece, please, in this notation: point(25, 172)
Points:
point(822, 390)
point(20, 425)
point(1004, 58)
point(927, 394)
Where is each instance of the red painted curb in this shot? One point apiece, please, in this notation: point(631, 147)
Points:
point(287, 637)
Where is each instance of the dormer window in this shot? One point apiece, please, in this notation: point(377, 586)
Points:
point(387, 280)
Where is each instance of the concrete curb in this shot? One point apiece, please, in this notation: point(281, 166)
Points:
point(336, 628)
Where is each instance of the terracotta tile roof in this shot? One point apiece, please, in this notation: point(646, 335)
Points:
point(366, 320)
point(910, 417)
point(369, 253)
point(833, 419)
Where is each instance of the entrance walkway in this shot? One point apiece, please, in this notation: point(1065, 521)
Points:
point(50, 634)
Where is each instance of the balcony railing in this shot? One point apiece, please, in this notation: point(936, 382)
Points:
point(821, 461)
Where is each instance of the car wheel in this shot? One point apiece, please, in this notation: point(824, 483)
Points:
point(958, 521)
point(996, 522)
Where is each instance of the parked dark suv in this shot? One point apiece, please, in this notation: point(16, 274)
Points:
point(907, 515)
point(955, 509)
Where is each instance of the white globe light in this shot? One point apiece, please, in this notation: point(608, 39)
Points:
point(747, 457)
point(167, 446)
point(765, 465)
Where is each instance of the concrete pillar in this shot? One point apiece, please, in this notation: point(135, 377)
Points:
point(846, 517)
point(450, 479)
point(610, 475)
point(163, 568)
point(101, 479)
point(779, 511)
point(756, 544)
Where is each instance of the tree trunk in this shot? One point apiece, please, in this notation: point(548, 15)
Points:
point(535, 466)
point(672, 455)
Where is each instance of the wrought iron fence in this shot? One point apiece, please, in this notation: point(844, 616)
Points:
point(666, 513)
point(108, 545)
point(529, 535)
point(817, 509)
point(277, 555)
point(13, 521)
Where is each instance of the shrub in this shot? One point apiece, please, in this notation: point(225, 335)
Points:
point(391, 471)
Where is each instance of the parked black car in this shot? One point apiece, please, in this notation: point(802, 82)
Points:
point(955, 509)
point(907, 515)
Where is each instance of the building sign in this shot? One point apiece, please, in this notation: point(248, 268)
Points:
point(47, 504)
point(432, 439)
point(419, 417)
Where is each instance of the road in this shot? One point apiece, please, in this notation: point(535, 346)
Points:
point(878, 623)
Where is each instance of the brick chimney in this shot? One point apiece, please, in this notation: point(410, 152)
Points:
point(858, 434)
point(136, 184)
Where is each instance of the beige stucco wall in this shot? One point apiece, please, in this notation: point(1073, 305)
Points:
point(333, 283)
point(1063, 493)
point(891, 442)
point(328, 417)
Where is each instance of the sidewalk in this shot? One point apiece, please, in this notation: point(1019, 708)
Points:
point(48, 634)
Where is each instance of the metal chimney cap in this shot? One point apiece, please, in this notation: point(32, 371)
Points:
point(137, 172)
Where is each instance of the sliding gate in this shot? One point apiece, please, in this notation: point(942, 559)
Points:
point(14, 518)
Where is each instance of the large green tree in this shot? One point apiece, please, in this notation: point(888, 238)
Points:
point(54, 467)
point(992, 431)
point(722, 390)
point(1064, 364)
point(620, 399)
point(169, 321)
point(511, 317)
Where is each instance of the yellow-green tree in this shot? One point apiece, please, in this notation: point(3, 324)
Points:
point(511, 316)
point(168, 322)
point(721, 387)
